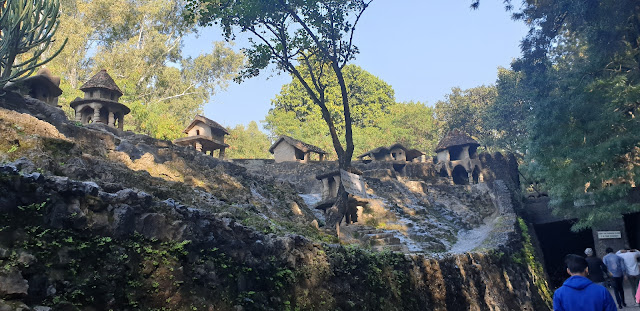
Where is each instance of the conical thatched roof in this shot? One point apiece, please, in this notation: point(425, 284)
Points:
point(102, 80)
point(455, 138)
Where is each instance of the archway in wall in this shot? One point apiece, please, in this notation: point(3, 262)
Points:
point(632, 227)
point(557, 240)
point(460, 176)
point(86, 115)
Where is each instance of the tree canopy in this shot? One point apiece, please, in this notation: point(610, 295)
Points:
point(581, 63)
point(140, 44)
point(248, 143)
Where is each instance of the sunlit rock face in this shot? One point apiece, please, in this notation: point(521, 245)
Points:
point(93, 218)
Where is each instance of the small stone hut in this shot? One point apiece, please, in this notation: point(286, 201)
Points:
point(457, 158)
point(396, 152)
point(43, 86)
point(292, 150)
point(204, 135)
point(100, 103)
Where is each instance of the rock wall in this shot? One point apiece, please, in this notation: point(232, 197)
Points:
point(72, 245)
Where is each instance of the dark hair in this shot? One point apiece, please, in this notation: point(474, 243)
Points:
point(575, 263)
point(609, 250)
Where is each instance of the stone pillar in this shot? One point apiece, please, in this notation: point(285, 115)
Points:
point(121, 121)
point(321, 157)
point(335, 186)
point(78, 115)
point(221, 155)
point(96, 113)
point(600, 245)
point(326, 188)
point(112, 119)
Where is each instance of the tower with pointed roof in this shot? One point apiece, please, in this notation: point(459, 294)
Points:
point(100, 103)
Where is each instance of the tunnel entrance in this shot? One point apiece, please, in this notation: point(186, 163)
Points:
point(632, 227)
point(557, 240)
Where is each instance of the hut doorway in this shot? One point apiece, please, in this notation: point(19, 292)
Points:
point(632, 227)
point(556, 241)
point(460, 176)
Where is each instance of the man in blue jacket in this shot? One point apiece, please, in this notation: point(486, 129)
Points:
point(578, 293)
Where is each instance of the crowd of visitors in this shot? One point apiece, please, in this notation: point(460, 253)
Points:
point(585, 289)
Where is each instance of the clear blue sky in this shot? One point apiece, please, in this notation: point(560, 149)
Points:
point(422, 48)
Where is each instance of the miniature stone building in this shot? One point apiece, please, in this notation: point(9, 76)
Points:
point(42, 86)
point(396, 152)
point(457, 158)
point(290, 149)
point(330, 185)
point(204, 135)
point(100, 103)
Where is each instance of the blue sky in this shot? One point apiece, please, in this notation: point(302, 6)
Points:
point(422, 48)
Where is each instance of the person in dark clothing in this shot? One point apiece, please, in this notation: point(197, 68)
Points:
point(597, 269)
point(578, 293)
point(617, 270)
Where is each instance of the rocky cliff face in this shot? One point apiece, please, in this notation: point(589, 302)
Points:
point(97, 219)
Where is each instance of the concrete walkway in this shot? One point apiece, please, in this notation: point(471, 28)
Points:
point(629, 299)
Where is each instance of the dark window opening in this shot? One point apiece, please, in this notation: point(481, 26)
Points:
point(455, 153)
point(460, 176)
point(197, 132)
point(398, 167)
point(443, 172)
point(473, 152)
point(299, 154)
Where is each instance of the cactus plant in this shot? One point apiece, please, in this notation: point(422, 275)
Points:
point(26, 26)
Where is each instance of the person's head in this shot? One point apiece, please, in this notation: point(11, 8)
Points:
point(609, 250)
point(588, 252)
point(576, 265)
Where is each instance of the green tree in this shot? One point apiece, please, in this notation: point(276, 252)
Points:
point(412, 124)
point(26, 27)
point(464, 110)
point(293, 33)
point(140, 43)
point(248, 143)
point(505, 121)
point(581, 61)
point(295, 114)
